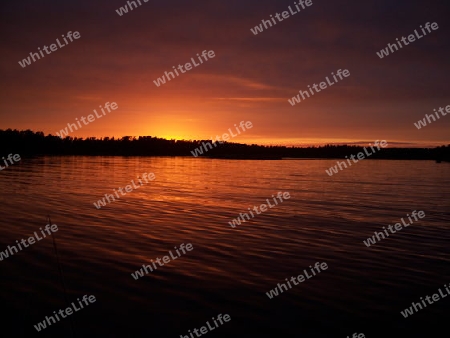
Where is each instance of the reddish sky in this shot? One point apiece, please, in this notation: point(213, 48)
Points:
point(118, 57)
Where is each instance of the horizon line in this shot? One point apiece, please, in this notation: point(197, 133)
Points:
point(398, 143)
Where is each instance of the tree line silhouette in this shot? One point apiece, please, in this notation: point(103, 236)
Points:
point(29, 143)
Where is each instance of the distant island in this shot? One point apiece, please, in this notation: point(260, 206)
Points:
point(29, 143)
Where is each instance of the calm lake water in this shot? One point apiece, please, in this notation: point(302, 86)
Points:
point(229, 270)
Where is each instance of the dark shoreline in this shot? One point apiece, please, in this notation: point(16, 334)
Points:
point(28, 143)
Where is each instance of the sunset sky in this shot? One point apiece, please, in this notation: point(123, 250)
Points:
point(251, 77)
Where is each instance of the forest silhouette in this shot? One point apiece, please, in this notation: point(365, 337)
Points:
point(29, 143)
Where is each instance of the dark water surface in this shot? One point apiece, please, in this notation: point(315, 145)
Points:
point(229, 270)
